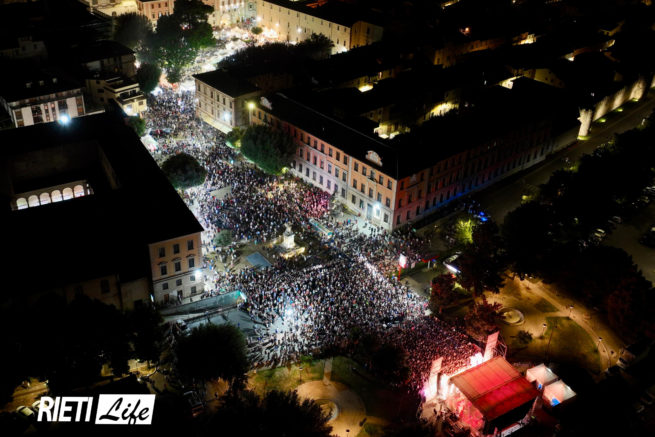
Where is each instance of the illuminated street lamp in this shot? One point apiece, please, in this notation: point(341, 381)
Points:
point(600, 339)
point(64, 119)
point(544, 331)
point(570, 309)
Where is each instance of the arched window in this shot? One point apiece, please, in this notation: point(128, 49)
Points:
point(67, 193)
point(33, 200)
point(78, 191)
point(21, 203)
point(56, 196)
point(44, 198)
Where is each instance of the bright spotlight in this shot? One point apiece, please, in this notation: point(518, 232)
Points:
point(64, 119)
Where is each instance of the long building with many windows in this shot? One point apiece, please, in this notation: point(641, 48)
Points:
point(296, 21)
point(394, 182)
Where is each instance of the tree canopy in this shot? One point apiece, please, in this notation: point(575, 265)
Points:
point(138, 124)
point(148, 77)
point(223, 238)
point(131, 29)
point(270, 149)
point(277, 414)
point(482, 263)
point(211, 351)
point(184, 171)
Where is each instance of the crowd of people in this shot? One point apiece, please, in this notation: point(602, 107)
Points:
point(302, 310)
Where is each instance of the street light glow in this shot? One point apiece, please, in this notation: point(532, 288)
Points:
point(64, 119)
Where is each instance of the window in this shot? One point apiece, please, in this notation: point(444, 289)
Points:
point(363, 170)
point(398, 219)
point(389, 184)
point(194, 290)
point(345, 159)
point(354, 184)
point(402, 185)
point(370, 193)
point(164, 286)
point(162, 252)
point(400, 203)
point(314, 175)
point(329, 168)
point(329, 184)
point(336, 172)
point(408, 215)
point(192, 278)
point(178, 266)
point(343, 193)
point(192, 263)
point(329, 151)
point(163, 270)
point(379, 197)
point(104, 286)
point(387, 202)
point(176, 248)
point(320, 180)
point(178, 282)
point(353, 199)
point(322, 164)
point(386, 218)
point(189, 245)
point(356, 166)
point(361, 204)
point(338, 156)
point(381, 180)
point(362, 188)
point(344, 176)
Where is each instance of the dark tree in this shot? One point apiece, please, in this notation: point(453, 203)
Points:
point(184, 171)
point(482, 262)
point(211, 352)
point(138, 124)
point(223, 238)
point(526, 237)
point(278, 414)
point(481, 318)
point(148, 77)
point(170, 48)
point(390, 360)
point(234, 137)
point(631, 306)
point(147, 333)
point(256, 30)
point(317, 46)
point(131, 29)
point(192, 15)
point(270, 149)
point(442, 292)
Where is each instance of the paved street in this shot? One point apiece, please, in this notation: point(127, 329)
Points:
point(505, 196)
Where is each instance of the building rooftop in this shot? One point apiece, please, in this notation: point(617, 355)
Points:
point(227, 83)
point(495, 388)
point(103, 49)
point(25, 81)
point(106, 232)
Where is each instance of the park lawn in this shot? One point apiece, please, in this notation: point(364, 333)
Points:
point(380, 400)
point(571, 344)
point(284, 378)
point(545, 306)
point(371, 430)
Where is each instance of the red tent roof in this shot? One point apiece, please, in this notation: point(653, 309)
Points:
point(495, 387)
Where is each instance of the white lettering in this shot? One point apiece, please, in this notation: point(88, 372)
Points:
point(65, 408)
point(45, 406)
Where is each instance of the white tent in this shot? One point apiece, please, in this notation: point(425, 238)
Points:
point(557, 393)
point(542, 374)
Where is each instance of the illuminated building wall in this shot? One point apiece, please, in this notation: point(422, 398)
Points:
point(153, 9)
point(176, 265)
point(292, 23)
point(223, 100)
point(394, 198)
point(125, 92)
point(44, 108)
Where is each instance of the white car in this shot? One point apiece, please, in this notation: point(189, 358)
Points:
point(25, 413)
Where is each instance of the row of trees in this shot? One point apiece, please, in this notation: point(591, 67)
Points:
point(68, 343)
point(547, 237)
point(175, 43)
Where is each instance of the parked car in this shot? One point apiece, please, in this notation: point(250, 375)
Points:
point(25, 413)
point(616, 220)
